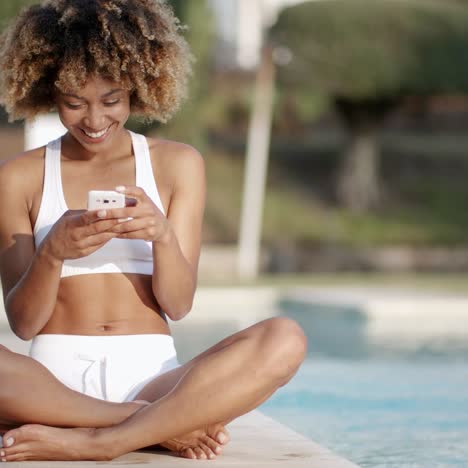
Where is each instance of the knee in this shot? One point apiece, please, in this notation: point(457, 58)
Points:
point(287, 345)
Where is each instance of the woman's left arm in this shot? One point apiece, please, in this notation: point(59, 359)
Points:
point(176, 238)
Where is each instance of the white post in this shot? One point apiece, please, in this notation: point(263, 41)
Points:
point(258, 146)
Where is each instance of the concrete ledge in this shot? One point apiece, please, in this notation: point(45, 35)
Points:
point(390, 312)
point(257, 441)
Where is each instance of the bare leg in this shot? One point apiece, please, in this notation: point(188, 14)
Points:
point(29, 393)
point(161, 386)
point(221, 384)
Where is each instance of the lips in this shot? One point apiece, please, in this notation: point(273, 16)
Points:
point(96, 135)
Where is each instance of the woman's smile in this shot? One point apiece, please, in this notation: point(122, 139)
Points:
point(96, 136)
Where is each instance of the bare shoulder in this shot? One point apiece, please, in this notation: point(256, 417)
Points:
point(176, 160)
point(22, 173)
point(22, 166)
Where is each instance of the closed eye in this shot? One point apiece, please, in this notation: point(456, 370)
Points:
point(72, 105)
point(112, 103)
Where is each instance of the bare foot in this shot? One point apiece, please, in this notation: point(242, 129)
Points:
point(36, 442)
point(202, 444)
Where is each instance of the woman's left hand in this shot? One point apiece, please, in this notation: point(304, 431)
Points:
point(148, 222)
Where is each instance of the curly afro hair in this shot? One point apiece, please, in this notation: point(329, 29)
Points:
point(60, 43)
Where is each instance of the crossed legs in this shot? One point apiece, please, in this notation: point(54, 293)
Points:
point(224, 382)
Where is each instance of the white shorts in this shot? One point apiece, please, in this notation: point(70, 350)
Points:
point(112, 368)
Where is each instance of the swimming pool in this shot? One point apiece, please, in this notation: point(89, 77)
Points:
point(380, 414)
point(379, 404)
point(384, 388)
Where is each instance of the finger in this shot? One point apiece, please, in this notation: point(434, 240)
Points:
point(135, 224)
point(88, 217)
point(125, 213)
point(131, 191)
point(96, 240)
point(147, 234)
point(98, 227)
point(73, 212)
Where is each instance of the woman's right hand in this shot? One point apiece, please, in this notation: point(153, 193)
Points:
point(78, 233)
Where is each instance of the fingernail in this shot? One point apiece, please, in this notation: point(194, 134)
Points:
point(10, 441)
point(102, 213)
point(120, 188)
point(2, 453)
point(221, 438)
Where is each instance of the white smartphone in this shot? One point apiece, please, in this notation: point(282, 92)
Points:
point(105, 199)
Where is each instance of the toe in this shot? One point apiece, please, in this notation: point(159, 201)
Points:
point(210, 455)
point(199, 453)
point(23, 434)
point(189, 453)
point(222, 437)
point(20, 456)
point(213, 445)
point(11, 437)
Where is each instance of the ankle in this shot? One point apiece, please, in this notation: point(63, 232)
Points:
point(101, 446)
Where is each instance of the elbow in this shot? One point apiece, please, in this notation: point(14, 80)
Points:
point(177, 312)
point(175, 306)
point(22, 329)
point(176, 316)
point(23, 333)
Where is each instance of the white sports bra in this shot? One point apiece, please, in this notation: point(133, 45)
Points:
point(118, 255)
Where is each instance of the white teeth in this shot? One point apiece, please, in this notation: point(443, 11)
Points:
point(96, 135)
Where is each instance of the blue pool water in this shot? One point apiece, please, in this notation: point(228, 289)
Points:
point(378, 404)
point(380, 413)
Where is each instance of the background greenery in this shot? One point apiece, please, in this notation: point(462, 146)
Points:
point(383, 63)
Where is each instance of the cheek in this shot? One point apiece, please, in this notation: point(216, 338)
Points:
point(122, 114)
point(67, 118)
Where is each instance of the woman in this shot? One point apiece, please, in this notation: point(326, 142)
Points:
point(92, 289)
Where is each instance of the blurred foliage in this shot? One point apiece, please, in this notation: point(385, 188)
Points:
point(9, 8)
point(366, 55)
point(365, 48)
point(426, 209)
point(189, 124)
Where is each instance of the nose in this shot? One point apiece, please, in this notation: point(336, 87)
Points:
point(94, 118)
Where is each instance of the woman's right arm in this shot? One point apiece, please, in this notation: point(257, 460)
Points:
point(30, 277)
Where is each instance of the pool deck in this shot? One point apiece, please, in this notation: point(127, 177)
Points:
point(257, 441)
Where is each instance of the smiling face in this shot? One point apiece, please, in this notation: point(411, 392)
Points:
point(95, 114)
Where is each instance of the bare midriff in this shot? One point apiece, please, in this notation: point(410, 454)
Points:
point(106, 304)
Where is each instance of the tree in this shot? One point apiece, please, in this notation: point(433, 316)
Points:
point(367, 55)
